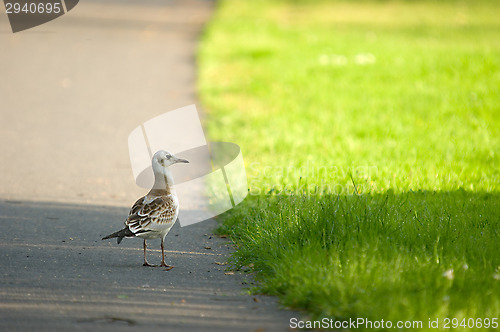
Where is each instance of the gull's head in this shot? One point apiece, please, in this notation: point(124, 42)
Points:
point(163, 159)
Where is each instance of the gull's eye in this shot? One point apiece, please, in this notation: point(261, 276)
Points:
point(169, 156)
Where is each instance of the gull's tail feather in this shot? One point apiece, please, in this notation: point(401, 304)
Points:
point(120, 235)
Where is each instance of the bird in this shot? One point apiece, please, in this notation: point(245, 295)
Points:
point(153, 215)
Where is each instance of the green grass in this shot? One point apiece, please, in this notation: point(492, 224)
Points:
point(382, 256)
point(371, 136)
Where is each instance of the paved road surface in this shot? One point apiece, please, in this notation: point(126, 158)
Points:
point(71, 92)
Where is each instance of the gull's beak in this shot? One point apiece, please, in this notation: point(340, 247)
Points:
point(179, 160)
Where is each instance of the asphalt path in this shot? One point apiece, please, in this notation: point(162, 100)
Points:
point(71, 92)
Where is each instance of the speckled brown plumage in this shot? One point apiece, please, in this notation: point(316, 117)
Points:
point(152, 216)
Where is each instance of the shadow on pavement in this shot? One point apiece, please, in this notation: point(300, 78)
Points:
point(57, 274)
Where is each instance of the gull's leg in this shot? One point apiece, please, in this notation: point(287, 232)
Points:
point(163, 256)
point(145, 260)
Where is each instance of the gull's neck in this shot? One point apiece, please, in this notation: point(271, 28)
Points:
point(164, 181)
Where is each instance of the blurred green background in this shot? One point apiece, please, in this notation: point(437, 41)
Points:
point(370, 131)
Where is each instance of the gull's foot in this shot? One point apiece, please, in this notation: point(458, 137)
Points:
point(149, 265)
point(168, 267)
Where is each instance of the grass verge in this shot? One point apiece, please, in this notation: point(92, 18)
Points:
point(371, 133)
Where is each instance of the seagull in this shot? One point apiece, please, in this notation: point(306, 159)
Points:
point(153, 215)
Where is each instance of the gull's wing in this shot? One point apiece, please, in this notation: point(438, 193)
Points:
point(152, 215)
